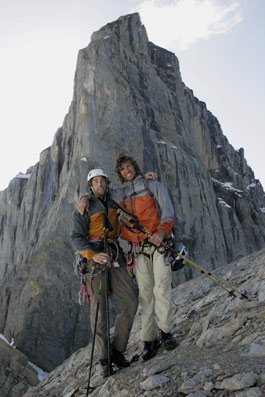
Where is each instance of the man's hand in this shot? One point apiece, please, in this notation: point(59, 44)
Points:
point(82, 204)
point(150, 175)
point(157, 238)
point(102, 258)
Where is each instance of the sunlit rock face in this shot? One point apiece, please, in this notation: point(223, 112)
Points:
point(128, 94)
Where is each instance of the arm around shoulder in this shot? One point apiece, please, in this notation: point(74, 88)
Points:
point(167, 213)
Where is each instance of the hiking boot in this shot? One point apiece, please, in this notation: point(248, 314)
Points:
point(168, 341)
point(118, 359)
point(150, 349)
point(105, 369)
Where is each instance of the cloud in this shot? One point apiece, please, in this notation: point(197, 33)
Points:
point(178, 24)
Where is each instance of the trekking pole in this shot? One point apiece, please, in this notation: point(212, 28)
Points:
point(132, 222)
point(89, 388)
point(225, 285)
point(106, 250)
point(107, 319)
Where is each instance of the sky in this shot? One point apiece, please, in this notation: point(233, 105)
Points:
point(219, 44)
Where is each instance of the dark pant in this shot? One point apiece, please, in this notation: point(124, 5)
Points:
point(126, 295)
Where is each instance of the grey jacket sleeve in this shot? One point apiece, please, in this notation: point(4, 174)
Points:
point(79, 234)
point(162, 197)
point(116, 193)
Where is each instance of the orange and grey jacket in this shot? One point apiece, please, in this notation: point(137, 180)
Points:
point(88, 229)
point(150, 202)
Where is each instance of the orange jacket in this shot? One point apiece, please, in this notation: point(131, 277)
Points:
point(88, 229)
point(150, 202)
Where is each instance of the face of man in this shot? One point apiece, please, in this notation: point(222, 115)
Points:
point(127, 171)
point(99, 185)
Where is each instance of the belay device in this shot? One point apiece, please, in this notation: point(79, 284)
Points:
point(132, 222)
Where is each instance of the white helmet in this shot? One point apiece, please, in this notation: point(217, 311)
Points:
point(96, 172)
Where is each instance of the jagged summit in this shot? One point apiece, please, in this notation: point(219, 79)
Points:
point(128, 94)
point(129, 26)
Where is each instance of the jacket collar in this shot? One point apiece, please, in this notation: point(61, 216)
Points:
point(135, 180)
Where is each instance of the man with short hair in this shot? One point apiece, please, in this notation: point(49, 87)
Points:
point(88, 234)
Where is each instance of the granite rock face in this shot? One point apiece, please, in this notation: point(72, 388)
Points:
point(128, 94)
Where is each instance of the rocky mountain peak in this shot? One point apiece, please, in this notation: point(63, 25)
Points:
point(128, 31)
point(128, 94)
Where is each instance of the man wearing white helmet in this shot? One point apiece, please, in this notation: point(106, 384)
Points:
point(87, 238)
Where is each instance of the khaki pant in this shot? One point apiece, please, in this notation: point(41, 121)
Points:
point(154, 283)
point(126, 294)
